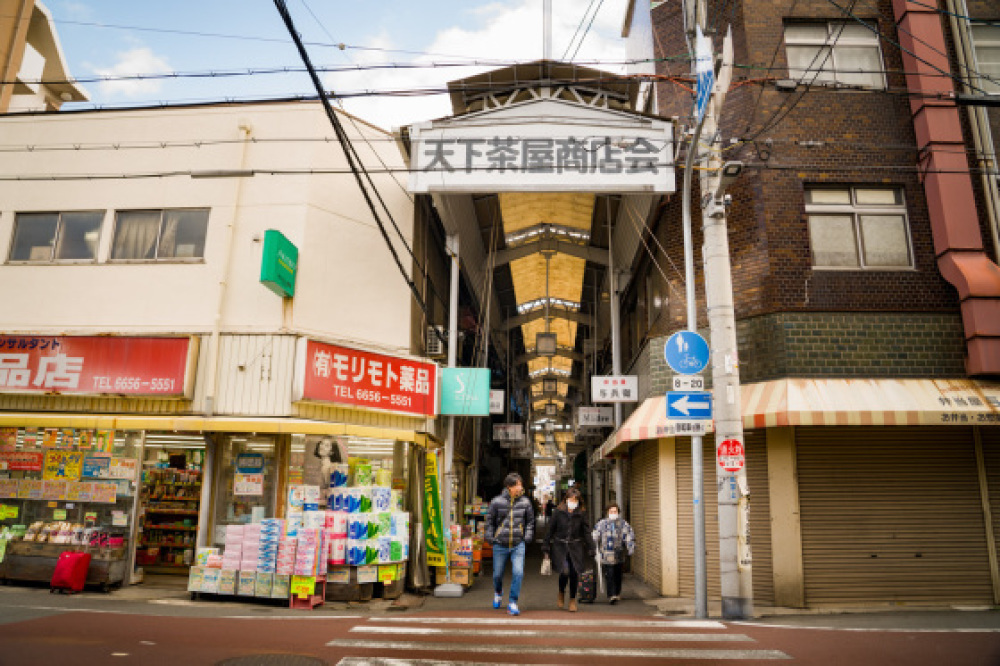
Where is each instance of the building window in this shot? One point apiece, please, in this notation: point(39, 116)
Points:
point(151, 235)
point(835, 52)
point(859, 228)
point(49, 237)
point(986, 39)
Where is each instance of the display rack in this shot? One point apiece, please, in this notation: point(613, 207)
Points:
point(170, 519)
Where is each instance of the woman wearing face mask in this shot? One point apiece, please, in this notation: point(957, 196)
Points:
point(570, 546)
point(614, 537)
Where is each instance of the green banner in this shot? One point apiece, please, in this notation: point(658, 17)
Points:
point(433, 528)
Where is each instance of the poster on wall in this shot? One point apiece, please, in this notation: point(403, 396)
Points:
point(55, 490)
point(8, 439)
point(21, 461)
point(30, 437)
point(29, 489)
point(80, 492)
point(104, 440)
point(8, 488)
point(104, 493)
point(248, 484)
point(123, 468)
point(96, 467)
point(85, 439)
point(322, 454)
point(66, 465)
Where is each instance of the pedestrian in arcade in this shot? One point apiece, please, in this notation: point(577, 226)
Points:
point(510, 526)
point(569, 545)
point(614, 538)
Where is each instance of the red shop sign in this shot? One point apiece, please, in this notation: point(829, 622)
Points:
point(96, 365)
point(21, 461)
point(329, 373)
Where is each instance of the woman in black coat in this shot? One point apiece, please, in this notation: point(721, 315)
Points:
point(569, 544)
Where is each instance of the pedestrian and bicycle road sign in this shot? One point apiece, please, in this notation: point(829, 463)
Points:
point(686, 352)
point(689, 405)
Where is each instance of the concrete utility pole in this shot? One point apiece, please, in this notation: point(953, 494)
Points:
point(733, 492)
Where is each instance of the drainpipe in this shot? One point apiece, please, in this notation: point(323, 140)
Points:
point(947, 183)
point(213, 350)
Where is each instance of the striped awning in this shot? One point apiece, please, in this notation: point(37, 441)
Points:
point(834, 402)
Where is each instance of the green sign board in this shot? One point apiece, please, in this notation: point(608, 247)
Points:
point(277, 268)
point(437, 556)
point(465, 391)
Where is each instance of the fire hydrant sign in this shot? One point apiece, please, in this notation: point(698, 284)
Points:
point(731, 455)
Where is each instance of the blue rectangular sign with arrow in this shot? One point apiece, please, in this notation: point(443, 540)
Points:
point(689, 405)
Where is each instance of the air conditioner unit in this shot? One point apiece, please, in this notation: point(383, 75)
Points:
point(433, 342)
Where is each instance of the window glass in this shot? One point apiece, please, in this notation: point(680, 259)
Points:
point(824, 196)
point(812, 32)
point(833, 241)
point(877, 197)
point(160, 234)
point(986, 40)
point(79, 235)
point(135, 235)
point(884, 240)
point(851, 31)
point(846, 53)
point(183, 234)
point(810, 63)
point(34, 236)
point(859, 65)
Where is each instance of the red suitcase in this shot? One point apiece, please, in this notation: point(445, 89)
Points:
point(70, 573)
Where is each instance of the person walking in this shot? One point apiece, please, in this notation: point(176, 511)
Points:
point(569, 545)
point(614, 537)
point(510, 526)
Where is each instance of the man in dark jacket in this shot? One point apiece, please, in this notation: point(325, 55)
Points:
point(510, 526)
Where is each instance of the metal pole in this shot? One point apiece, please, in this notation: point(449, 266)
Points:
point(449, 446)
point(547, 30)
point(616, 355)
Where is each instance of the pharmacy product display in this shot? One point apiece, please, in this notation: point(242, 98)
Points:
point(169, 523)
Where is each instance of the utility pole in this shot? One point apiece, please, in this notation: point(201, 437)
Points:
point(731, 482)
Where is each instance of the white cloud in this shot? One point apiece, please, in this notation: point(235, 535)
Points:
point(506, 32)
point(140, 60)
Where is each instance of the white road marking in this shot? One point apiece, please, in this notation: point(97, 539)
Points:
point(893, 630)
point(650, 653)
point(528, 621)
point(547, 633)
point(388, 661)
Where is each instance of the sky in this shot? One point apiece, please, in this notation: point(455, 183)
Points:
point(122, 37)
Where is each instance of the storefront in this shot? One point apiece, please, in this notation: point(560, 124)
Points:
point(144, 491)
point(861, 492)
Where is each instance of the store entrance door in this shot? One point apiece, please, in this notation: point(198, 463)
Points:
point(170, 502)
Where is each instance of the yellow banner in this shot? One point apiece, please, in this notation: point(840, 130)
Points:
point(433, 527)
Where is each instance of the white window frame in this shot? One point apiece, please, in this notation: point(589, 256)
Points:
point(984, 36)
point(156, 259)
point(809, 76)
point(55, 238)
point(855, 211)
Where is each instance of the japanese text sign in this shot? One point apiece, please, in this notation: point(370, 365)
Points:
point(330, 373)
point(96, 365)
point(433, 525)
point(21, 461)
point(614, 389)
point(597, 417)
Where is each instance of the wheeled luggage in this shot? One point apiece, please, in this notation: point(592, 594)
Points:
point(70, 573)
point(587, 592)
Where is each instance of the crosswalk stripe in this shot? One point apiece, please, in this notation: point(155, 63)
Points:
point(650, 653)
point(389, 661)
point(531, 633)
point(663, 624)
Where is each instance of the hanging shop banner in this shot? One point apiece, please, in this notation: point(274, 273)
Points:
point(433, 527)
point(102, 365)
point(595, 417)
point(279, 264)
point(508, 432)
point(543, 146)
point(344, 376)
point(21, 461)
point(465, 391)
point(496, 401)
point(622, 388)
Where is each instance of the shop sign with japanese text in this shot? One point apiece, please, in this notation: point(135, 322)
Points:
point(330, 373)
point(21, 461)
point(624, 388)
point(433, 523)
point(97, 365)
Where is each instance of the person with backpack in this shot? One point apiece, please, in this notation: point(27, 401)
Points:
point(510, 526)
point(569, 546)
point(614, 537)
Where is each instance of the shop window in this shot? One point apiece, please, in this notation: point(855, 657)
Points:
point(246, 482)
point(845, 53)
point(986, 39)
point(858, 228)
point(160, 235)
point(50, 237)
point(67, 489)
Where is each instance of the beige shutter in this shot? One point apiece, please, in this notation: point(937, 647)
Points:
point(644, 512)
point(891, 514)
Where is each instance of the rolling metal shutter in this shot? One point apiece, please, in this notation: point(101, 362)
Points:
point(891, 514)
point(990, 437)
point(644, 512)
point(760, 517)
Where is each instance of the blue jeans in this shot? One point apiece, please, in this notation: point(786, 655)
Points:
point(500, 556)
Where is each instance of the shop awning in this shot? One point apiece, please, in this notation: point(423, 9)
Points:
point(835, 402)
point(210, 424)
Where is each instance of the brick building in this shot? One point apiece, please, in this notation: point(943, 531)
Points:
point(863, 237)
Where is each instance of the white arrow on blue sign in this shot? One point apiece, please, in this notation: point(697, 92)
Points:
point(689, 405)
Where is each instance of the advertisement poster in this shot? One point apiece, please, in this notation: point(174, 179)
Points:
point(104, 493)
point(123, 468)
point(248, 484)
point(303, 586)
point(50, 438)
point(8, 488)
point(30, 437)
point(29, 489)
point(66, 465)
point(54, 490)
point(434, 529)
point(8, 511)
point(104, 440)
point(8, 439)
point(67, 438)
point(119, 519)
point(368, 574)
point(96, 467)
point(339, 575)
point(80, 492)
point(387, 573)
point(85, 439)
point(21, 461)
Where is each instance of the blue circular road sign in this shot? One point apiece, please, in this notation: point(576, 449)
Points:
point(686, 352)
